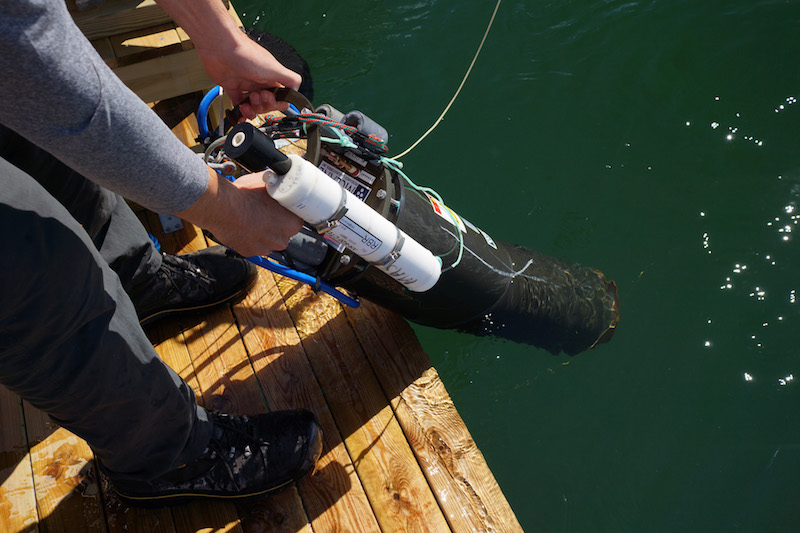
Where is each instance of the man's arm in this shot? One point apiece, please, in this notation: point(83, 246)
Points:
point(59, 94)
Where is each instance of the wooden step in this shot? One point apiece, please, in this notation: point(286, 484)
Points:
point(146, 49)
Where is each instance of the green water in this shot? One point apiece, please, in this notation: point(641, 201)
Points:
point(656, 141)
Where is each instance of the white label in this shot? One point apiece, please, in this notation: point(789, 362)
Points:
point(354, 157)
point(447, 214)
point(358, 239)
point(358, 189)
point(366, 176)
point(488, 239)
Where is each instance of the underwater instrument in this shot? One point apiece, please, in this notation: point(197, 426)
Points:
point(328, 207)
point(372, 231)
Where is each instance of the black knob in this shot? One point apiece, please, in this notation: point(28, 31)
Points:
point(254, 150)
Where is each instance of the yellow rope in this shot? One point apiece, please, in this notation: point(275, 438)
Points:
point(446, 109)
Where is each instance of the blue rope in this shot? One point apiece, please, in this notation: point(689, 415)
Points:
point(155, 241)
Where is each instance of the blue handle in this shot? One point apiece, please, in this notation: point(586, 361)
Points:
point(304, 278)
point(202, 110)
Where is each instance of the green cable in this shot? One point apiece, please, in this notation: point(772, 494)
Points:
point(343, 140)
point(397, 167)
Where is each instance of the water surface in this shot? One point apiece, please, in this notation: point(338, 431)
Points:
point(656, 141)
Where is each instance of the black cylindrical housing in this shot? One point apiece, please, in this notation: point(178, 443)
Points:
point(496, 289)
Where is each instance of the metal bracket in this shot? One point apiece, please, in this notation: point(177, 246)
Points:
point(327, 225)
point(394, 255)
point(170, 223)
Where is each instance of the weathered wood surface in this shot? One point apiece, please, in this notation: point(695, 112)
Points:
point(454, 466)
point(112, 18)
point(165, 76)
point(141, 45)
point(402, 499)
point(333, 496)
point(17, 498)
point(101, 18)
point(67, 493)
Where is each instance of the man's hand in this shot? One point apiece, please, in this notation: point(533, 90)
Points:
point(242, 215)
point(242, 67)
point(244, 71)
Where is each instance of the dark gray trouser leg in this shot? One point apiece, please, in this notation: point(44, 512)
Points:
point(106, 217)
point(70, 342)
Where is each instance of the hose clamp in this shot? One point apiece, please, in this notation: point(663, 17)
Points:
point(326, 225)
point(394, 255)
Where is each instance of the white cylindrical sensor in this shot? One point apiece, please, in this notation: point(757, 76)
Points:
point(312, 195)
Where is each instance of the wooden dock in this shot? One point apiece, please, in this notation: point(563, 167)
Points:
point(397, 456)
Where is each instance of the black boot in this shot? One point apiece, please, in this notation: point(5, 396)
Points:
point(194, 282)
point(247, 457)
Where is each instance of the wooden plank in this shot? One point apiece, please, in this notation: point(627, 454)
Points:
point(155, 65)
point(452, 462)
point(227, 384)
point(395, 486)
point(179, 114)
point(333, 497)
point(141, 45)
point(134, 42)
point(165, 77)
point(171, 346)
point(119, 17)
point(206, 516)
point(186, 43)
point(64, 475)
point(17, 498)
point(123, 519)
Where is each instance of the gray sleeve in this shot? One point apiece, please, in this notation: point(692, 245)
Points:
point(59, 94)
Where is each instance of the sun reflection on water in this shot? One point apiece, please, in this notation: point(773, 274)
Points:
point(759, 289)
